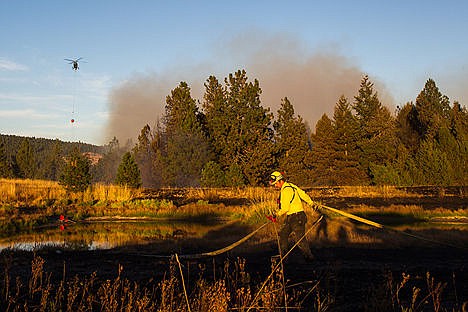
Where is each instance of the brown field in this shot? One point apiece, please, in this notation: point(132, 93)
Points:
point(402, 267)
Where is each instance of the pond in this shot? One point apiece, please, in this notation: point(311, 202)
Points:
point(108, 234)
point(112, 233)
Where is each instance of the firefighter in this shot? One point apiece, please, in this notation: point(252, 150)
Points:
point(290, 204)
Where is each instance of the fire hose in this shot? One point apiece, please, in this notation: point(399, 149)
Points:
point(231, 246)
point(214, 252)
point(378, 225)
point(343, 213)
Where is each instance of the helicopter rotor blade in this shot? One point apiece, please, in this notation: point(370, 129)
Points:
point(72, 60)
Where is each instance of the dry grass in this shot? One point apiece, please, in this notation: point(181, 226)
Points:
point(384, 191)
point(233, 290)
point(414, 211)
point(250, 193)
point(29, 191)
point(35, 192)
point(27, 203)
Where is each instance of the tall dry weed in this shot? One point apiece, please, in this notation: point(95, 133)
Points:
point(230, 292)
point(29, 191)
point(39, 191)
point(211, 296)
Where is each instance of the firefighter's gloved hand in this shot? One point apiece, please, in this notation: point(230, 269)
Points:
point(271, 218)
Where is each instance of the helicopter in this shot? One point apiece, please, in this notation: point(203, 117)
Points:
point(74, 63)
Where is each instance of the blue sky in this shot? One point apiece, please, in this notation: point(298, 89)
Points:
point(135, 52)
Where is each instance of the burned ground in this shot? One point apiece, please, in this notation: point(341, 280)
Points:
point(354, 277)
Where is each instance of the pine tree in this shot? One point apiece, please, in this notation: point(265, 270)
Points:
point(128, 173)
point(186, 146)
point(248, 142)
point(239, 127)
point(157, 156)
point(451, 149)
point(433, 164)
point(459, 130)
point(187, 154)
point(433, 110)
point(76, 176)
point(181, 111)
point(53, 162)
point(293, 144)
point(26, 160)
point(459, 122)
point(322, 151)
point(234, 176)
point(345, 153)
point(405, 127)
point(6, 170)
point(213, 175)
point(442, 154)
point(106, 168)
point(144, 155)
point(217, 117)
point(376, 138)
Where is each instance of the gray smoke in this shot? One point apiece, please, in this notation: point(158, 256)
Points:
point(135, 103)
point(312, 80)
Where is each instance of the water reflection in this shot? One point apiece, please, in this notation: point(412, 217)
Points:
point(111, 234)
point(104, 234)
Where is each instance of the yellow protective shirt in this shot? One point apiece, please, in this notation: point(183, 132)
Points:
point(290, 200)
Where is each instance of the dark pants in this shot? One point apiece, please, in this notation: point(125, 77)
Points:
point(294, 223)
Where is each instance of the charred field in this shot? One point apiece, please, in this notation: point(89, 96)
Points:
point(357, 267)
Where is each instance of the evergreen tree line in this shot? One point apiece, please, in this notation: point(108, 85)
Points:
point(230, 139)
point(37, 158)
point(70, 163)
point(234, 141)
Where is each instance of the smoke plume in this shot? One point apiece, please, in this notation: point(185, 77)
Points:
point(313, 81)
point(135, 103)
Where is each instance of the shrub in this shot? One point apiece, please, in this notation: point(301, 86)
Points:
point(128, 173)
point(212, 175)
point(76, 176)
